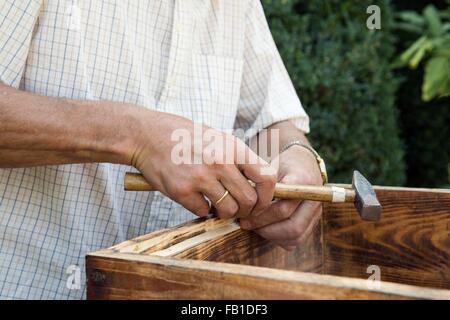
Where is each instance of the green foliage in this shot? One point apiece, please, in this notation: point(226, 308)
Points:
point(426, 133)
point(433, 45)
point(341, 71)
point(424, 125)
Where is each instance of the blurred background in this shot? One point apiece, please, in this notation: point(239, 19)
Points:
point(378, 99)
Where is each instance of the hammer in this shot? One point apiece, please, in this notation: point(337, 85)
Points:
point(361, 193)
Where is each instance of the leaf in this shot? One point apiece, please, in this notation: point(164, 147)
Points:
point(415, 60)
point(408, 27)
point(412, 17)
point(409, 53)
point(442, 52)
point(431, 15)
point(446, 27)
point(436, 79)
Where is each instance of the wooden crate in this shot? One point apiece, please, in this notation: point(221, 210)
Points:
point(215, 259)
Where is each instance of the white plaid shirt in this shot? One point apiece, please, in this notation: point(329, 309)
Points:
point(214, 62)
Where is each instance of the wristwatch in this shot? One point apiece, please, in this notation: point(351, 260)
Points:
point(320, 162)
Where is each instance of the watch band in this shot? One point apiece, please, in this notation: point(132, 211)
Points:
point(320, 162)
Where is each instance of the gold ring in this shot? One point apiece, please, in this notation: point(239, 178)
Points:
point(222, 197)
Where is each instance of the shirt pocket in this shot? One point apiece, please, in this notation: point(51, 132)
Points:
point(215, 85)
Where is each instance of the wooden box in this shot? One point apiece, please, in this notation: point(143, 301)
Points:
point(215, 259)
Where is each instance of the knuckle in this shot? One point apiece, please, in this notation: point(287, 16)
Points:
point(183, 190)
point(226, 214)
point(222, 169)
point(284, 211)
point(228, 211)
point(201, 210)
point(270, 179)
point(234, 208)
point(218, 166)
point(228, 169)
point(297, 232)
point(200, 175)
point(249, 199)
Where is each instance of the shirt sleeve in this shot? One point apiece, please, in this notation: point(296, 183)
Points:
point(17, 21)
point(267, 94)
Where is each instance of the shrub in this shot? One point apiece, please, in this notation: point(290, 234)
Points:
point(432, 29)
point(341, 71)
point(424, 126)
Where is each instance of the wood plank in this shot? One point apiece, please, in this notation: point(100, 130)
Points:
point(235, 246)
point(247, 248)
point(116, 275)
point(161, 240)
point(197, 240)
point(410, 244)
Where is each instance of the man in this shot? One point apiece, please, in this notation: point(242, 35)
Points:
point(90, 89)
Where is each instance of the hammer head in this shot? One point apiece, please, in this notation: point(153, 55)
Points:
point(366, 202)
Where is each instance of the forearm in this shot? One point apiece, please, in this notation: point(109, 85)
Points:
point(38, 130)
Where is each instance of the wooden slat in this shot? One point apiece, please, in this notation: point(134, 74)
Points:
point(192, 242)
point(410, 244)
point(116, 275)
point(247, 248)
point(162, 240)
point(235, 246)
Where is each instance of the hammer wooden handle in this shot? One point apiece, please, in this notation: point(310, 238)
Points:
point(328, 193)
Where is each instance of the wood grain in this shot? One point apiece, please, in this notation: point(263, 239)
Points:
point(247, 248)
point(161, 240)
point(235, 246)
point(130, 276)
point(192, 242)
point(410, 244)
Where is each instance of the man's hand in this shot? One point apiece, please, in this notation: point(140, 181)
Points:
point(188, 183)
point(38, 130)
point(289, 222)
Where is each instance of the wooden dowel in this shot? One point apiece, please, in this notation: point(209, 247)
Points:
point(136, 182)
point(328, 193)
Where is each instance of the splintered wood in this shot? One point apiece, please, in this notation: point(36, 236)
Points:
point(210, 258)
point(170, 242)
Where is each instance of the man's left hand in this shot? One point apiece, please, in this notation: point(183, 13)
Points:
point(289, 222)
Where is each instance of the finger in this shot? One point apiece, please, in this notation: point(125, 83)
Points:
point(264, 177)
point(299, 241)
point(195, 203)
point(293, 227)
point(241, 190)
point(279, 210)
point(214, 191)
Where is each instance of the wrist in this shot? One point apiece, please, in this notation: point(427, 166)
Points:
point(303, 152)
point(117, 132)
point(303, 149)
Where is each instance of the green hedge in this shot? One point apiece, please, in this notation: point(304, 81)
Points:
point(341, 72)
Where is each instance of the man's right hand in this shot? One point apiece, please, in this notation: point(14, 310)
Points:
point(188, 183)
point(38, 130)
